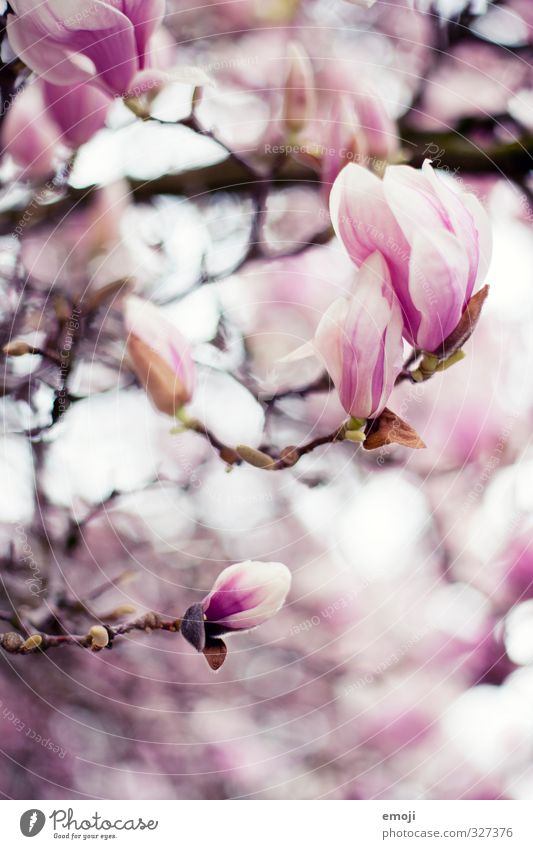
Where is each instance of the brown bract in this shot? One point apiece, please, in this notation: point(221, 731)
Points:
point(215, 653)
point(466, 326)
point(389, 428)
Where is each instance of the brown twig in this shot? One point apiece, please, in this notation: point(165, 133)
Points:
point(98, 637)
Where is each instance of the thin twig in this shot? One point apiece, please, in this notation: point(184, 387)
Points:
point(14, 644)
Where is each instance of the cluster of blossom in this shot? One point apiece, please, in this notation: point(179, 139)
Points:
point(421, 250)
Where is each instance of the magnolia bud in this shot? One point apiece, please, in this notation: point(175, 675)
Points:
point(254, 457)
point(159, 354)
point(247, 594)
point(300, 96)
point(359, 340)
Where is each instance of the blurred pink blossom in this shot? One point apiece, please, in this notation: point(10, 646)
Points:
point(102, 42)
point(160, 355)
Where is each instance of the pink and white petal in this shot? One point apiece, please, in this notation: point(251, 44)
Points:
point(365, 325)
point(29, 135)
point(53, 61)
point(392, 355)
point(113, 52)
point(182, 361)
point(247, 594)
point(303, 352)
point(413, 200)
point(376, 125)
point(82, 16)
point(145, 15)
point(40, 13)
point(328, 339)
point(438, 274)
point(484, 233)
point(147, 321)
point(80, 111)
point(461, 219)
point(360, 214)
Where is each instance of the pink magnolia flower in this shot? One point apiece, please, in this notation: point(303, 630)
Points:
point(243, 596)
point(160, 356)
point(72, 41)
point(359, 339)
point(437, 243)
point(247, 594)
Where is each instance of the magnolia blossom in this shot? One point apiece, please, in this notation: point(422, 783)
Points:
point(243, 596)
point(437, 243)
point(72, 41)
point(246, 595)
point(160, 355)
point(359, 340)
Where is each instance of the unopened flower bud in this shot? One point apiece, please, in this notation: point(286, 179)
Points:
point(160, 355)
point(32, 642)
point(12, 642)
point(359, 340)
point(17, 348)
point(300, 97)
point(346, 142)
point(99, 637)
point(243, 596)
point(254, 457)
point(247, 594)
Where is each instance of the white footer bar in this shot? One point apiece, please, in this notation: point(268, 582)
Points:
point(269, 824)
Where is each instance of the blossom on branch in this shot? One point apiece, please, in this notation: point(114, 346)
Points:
point(243, 596)
point(436, 242)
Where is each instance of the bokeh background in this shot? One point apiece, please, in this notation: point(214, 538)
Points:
point(401, 666)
